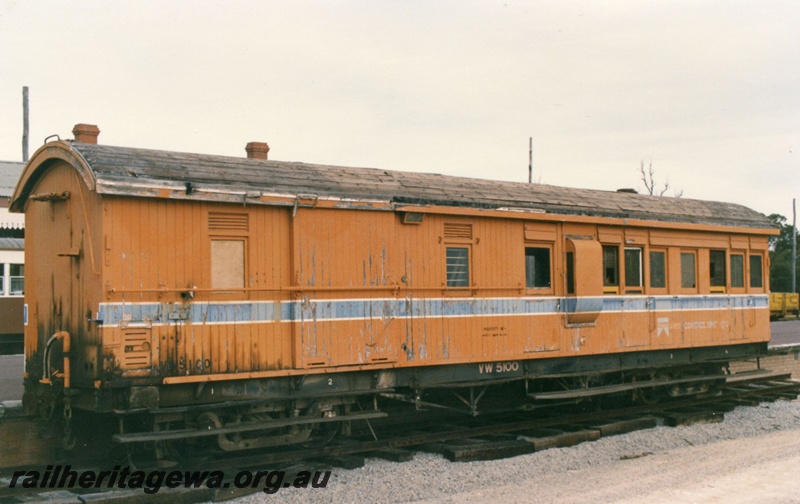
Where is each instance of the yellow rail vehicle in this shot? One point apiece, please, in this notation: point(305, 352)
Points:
point(252, 299)
point(782, 304)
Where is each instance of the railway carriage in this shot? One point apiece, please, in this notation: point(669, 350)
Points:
point(251, 300)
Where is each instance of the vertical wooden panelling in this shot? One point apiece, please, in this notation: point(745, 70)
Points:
point(163, 243)
point(139, 261)
point(169, 242)
point(199, 278)
point(159, 248)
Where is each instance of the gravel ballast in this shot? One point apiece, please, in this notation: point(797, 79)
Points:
point(664, 464)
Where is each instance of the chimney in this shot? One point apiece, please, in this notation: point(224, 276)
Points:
point(86, 133)
point(257, 150)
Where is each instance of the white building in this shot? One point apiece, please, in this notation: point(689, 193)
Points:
point(12, 262)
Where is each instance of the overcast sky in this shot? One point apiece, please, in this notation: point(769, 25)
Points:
point(708, 92)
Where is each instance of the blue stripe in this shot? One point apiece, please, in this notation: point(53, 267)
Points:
point(290, 311)
point(197, 313)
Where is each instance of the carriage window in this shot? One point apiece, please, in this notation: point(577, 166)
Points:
point(688, 276)
point(658, 270)
point(227, 264)
point(457, 264)
point(716, 266)
point(633, 267)
point(756, 278)
point(16, 279)
point(737, 270)
point(610, 266)
point(537, 268)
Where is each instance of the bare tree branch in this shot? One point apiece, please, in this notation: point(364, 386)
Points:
point(649, 180)
point(647, 177)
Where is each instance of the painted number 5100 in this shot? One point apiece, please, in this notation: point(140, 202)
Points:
point(498, 367)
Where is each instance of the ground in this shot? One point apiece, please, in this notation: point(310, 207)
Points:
point(10, 377)
point(752, 470)
point(751, 457)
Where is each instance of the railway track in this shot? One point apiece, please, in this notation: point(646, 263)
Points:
point(479, 438)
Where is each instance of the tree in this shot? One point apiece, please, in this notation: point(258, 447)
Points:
point(780, 256)
point(649, 179)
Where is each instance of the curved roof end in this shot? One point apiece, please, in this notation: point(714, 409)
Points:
point(42, 159)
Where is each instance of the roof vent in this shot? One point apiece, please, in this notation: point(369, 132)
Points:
point(86, 133)
point(628, 190)
point(257, 150)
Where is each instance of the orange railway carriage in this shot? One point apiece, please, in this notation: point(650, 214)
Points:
point(208, 290)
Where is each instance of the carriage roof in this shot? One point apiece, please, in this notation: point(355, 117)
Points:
point(142, 172)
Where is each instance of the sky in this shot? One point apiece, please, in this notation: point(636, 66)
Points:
point(708, 92)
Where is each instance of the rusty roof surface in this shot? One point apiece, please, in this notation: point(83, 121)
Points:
point(128, 167)
point(9, 175)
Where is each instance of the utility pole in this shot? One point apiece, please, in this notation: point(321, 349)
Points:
point(794, 246)
point(530, 160)
point(24, 124)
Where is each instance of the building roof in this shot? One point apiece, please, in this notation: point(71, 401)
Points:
point(12, 244)
point(9, 175)
point(141, 172)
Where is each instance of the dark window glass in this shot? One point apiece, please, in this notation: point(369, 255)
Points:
point(756, 279)
point(688, 276)
point(537, 267)
point(633, 267)
point(716, 265)
point(611, 266)
point(570, 272)
point(457, 267)
point(658, 270)
point(737, 270)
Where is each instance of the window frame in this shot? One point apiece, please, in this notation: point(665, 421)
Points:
point(11, 279)
point(650, 287)
point(613, 287)
point(633, 289)
point(540, 290)
point(723, 288)
point(738, 289)
point(225, 225)
point(458, 288)
point(693, 254)
point(750, 287)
